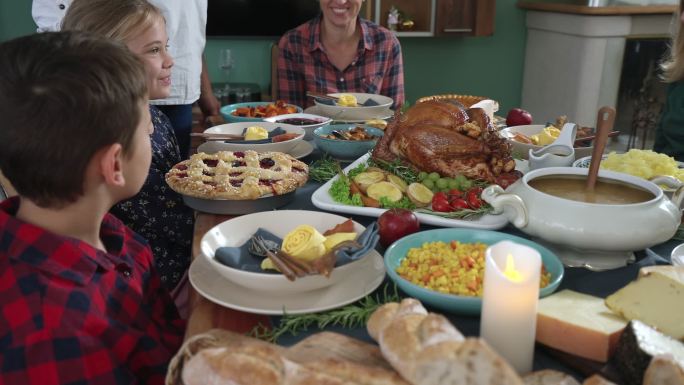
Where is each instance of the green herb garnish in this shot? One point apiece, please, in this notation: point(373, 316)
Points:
point(403, 203)
point(350, 316)
point(408, 174)
point(340, 189)
point(460, 214)
point(324, 169)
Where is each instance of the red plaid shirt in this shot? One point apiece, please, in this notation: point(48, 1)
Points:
point(72, 314)
point(304, 66)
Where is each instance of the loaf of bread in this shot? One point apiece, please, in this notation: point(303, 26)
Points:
point(549, 377)
point(426, 349)
point(250, 362)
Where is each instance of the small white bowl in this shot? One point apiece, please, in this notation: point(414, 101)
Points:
point(317, 121)
point(523, 149)
point(357, 113)
point(235, 232)
point(237, 129)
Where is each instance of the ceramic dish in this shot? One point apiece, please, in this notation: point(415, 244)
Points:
point(227, 111)
point(677, 255)
point(337, 112)
point(324, 201)
point(345, 150)
point(235, 232)
point(309, 122)
point(300, 150)
point(523, 149)
point(385, 115)
point(238, 129)
point(238, 207)
point(455, 303)
point(214, 287)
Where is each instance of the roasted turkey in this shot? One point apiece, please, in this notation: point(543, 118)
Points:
point(443, 137)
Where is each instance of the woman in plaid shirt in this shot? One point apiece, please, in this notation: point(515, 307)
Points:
point(337, 51)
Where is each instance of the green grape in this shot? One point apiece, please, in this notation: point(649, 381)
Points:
point(433, 176)
point(429, 183)
point(453, 183)
point(466, 184)
point(442, 183)
point(422, 175)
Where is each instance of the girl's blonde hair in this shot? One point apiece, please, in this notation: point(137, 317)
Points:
point(115, 19)
point(673, 65)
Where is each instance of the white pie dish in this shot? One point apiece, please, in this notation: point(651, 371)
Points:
point(238, 128)
point(235, 232)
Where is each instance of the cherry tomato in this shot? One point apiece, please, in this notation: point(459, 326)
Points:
point(441, 205)
point(440, 196)
point(459, 204)
point(473, 200)
point(454, 193)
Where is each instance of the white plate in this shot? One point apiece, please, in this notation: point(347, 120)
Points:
point(677, 256)
point(316, 111)
point(221, 291)
point(323, 200)
point(300, 150)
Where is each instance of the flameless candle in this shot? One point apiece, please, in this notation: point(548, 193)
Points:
point(509, 302)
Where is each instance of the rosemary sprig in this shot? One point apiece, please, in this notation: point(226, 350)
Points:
point(461, 214)
point(350, 316)
point(324, 169)
point(396, 167)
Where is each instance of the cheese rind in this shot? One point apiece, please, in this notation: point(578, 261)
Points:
point(655, 298)
point(578, 324)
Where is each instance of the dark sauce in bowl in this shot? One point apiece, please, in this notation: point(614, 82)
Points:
point(299, 121)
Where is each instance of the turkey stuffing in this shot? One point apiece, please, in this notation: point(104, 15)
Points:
point(443, 137)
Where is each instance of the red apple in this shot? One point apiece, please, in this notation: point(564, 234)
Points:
point(518, 117)
point(396, 223)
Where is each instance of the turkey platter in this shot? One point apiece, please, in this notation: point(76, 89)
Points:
point(443, 137)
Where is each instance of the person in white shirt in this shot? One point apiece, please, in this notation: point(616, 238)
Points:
point(185, 24)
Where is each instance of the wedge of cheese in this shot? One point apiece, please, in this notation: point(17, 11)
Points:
point(578, 324)
point(655, 298)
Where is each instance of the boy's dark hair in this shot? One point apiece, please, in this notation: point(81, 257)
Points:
point(63, 97)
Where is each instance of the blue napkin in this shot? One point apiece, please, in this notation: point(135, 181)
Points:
point(240, 258)
point(329, 102)
point(271, 134)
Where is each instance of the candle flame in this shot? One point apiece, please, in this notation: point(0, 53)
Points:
point(510, 272)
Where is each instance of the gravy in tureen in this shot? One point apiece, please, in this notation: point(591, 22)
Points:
point(605, 192)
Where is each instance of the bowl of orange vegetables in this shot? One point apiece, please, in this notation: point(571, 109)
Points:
point(256, 111)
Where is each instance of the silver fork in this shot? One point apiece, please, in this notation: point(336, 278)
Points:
point(256, 243)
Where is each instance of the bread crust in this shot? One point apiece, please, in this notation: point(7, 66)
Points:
point(426, 349)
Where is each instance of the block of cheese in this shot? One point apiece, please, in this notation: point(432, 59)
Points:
point(578, 324)
point(655, 298)
point(638, 345)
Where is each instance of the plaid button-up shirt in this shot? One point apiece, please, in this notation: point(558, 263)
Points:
point(72, 314)
point(304, 66)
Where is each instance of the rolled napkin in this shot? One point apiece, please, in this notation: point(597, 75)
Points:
point(240, 257)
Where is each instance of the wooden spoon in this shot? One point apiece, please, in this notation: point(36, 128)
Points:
point(604, 124)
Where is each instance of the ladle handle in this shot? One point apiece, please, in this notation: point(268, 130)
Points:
point(604, 124)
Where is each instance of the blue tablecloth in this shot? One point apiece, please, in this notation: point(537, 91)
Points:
point(582, 280)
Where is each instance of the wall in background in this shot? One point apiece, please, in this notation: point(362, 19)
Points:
point(488, 66)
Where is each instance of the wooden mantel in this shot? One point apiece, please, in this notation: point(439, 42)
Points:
point(600, 11)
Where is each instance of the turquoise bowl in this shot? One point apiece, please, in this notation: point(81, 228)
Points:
point(227, 112)
point(458, 303)
point(346, 150)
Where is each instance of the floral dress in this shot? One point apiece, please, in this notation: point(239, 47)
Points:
point(158, 213)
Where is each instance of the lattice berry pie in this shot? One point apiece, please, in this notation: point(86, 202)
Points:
point(237, 175)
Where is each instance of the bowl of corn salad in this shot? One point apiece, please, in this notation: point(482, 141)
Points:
point(445, 267)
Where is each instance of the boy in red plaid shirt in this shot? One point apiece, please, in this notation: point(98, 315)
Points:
point(80, 300)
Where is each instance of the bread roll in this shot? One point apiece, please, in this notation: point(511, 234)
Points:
point(664, 370)
point(549, 377)
point(597, 380)
point(426, 349)
point(251, 363)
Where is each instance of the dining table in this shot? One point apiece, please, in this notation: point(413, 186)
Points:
point(205, 314)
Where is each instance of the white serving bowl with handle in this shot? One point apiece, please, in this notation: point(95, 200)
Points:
point(588, 226)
